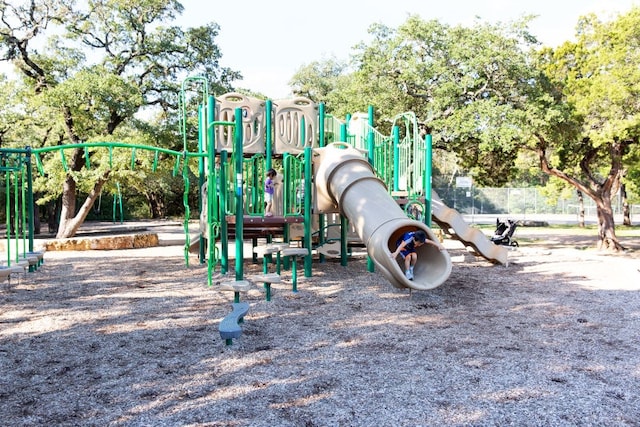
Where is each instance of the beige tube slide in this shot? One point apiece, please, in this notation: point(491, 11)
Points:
point(346, 182)
point(453, 223)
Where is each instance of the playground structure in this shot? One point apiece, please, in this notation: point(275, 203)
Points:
point(366, 188)
point(20, 255)
point(352, 172)
point(340, 183)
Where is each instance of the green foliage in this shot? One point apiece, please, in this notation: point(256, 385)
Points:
point(488, 94)
point(105, 65)
point(598, 81)
point(469, 86)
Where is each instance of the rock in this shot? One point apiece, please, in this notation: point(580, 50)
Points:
point(124, 241)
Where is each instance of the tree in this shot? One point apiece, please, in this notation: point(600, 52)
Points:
point(489, 94)
point(467, 86)
point(318, 79)
point(102, 66)
point(598, 78)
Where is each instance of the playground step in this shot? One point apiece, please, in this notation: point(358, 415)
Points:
point(230, 326)
point(8, 271)
point(236, 286)
point(266, 250)
point(266, 278)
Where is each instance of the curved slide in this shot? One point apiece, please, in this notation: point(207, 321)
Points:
point(345, 181)
point(453, 224)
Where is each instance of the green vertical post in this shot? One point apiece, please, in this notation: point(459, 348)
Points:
point(344, 223)
point(23, 215)
point(237, 153)
point(321, 142)
point(212, 200)
point(211, 114)
point(427, 178)
point(396, 157)
point(268, 133)
point(321, 130)
point(30, 196)
point(23, 211)
point(16, 213)
point(307, 210)
point(294, 273)
point(370, 146)
point(344, 236)
point(117, 199)
point(224, 227)
point(370, 135)
point(209, 171)
point(7, 192)
point(202, 143)
point(287, 182)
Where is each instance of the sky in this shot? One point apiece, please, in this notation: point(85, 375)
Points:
point(268, 41)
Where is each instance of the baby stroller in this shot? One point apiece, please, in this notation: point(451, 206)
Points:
point(504, 233)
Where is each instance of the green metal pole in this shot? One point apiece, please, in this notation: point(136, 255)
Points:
point(237, 152)
point(268, 133)
point(287, 181)
point(203, 132)
point(321, 142)
point(344, 223)
point(344, 235)
point(307, 210)
point(321, 128)
point(23, 210)
point(211, 199)
point(396, 157)
point(224, 226)
point(7, 192)
point(120, 201)
point(207, 168)
point(30, 197)
point(370, 136)
point(16, 212)
point(370, 146)
point(427, 177)
point(185, 203)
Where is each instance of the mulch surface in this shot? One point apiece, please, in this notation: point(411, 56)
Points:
point(130, 338)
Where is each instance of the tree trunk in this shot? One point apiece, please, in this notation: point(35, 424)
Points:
point(69, 224)
point(68, 208)
point(580, 209)
point(36, 219)
point(53, 213)
point(156, 205)
point(607, 239)
point(626, 211)
point(599, 190)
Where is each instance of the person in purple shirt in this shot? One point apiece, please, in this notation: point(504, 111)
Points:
point(269, 189)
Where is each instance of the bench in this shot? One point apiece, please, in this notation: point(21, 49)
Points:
point(230, 326)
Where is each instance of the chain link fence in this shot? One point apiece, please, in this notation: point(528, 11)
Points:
point(519, 202)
